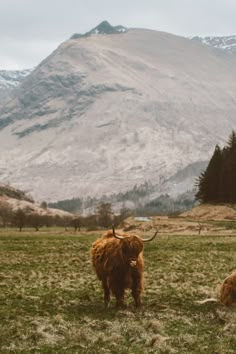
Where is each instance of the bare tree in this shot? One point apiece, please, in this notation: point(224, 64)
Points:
point(35, 220)
point(76, 223)
point(67, 220)
point(200, 227)
point(90, 222)
point(44, 205)
point(19, 219)
point(6, 215)
point(104, 214)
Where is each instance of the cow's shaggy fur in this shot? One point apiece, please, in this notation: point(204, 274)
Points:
point(119, 265)
point(228, 290)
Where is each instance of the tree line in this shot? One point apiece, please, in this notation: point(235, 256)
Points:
point(217, 184)
point(102, 218)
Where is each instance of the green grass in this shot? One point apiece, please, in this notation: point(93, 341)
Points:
point(51, 301)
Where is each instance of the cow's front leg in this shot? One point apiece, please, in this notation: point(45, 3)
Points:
point(137, 288)
point(118, 290)
point(106, 292)
point(120, 296)
point(136, 293)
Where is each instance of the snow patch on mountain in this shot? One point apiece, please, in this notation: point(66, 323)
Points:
point(10, 79)
point(226, 43)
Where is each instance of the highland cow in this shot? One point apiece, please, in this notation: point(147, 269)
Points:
point(228, 290)
point(118, 261)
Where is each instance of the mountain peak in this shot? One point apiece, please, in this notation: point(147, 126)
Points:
point(103, 28)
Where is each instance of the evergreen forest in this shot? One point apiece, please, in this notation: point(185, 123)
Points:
point(217, 184)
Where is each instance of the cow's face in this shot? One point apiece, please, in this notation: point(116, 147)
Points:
point(131, 248)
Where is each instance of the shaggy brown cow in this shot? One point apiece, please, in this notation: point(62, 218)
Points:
point(228, 290)
point(117, 259)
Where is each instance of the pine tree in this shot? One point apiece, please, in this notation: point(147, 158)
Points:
point(218, 182)
point(201, 183)
point(231, 144)
point(208, 182)
point(224, 185)
point(230, 168)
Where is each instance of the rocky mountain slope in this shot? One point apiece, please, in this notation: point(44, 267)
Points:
point(106, 112)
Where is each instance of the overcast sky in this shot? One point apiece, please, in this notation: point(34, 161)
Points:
point(31, 29)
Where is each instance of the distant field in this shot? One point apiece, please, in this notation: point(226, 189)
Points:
point(51, 301)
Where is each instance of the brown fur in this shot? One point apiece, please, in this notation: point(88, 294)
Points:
point(228, 290)
point(119, 266)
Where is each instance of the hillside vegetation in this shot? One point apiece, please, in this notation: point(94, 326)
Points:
point(11, 192)
point(19, 209)
point(217, 183)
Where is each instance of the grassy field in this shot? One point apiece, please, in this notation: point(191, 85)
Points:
point(51, 301)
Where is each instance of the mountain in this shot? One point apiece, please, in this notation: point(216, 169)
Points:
point(104, 113)
point(226, 43)
point(10, 79)
point(103, 28)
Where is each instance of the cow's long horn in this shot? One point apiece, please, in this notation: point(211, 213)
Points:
point(150, 238)
point(115, 235)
